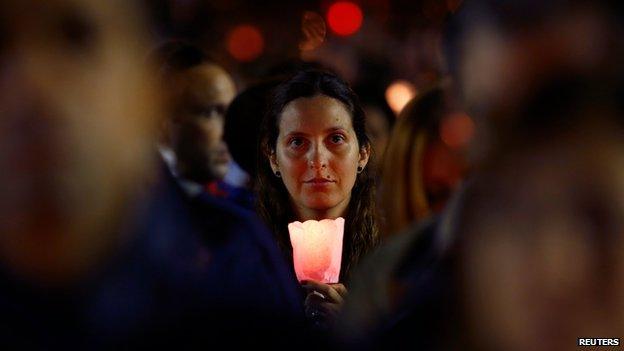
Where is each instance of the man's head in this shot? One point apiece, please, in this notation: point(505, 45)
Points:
point(75, 132)
point(511, 58)
point(199, 92)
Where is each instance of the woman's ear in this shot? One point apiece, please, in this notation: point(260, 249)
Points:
point(273, 160)
point(364, 155)
point(270, 154)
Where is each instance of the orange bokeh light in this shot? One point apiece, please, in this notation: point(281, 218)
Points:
point(245, 43)
point(344, 18)
point(399, 93)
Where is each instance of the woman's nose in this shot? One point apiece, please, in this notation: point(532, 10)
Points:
point(318, 157)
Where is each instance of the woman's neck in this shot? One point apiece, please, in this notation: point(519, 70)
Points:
point(305, 213)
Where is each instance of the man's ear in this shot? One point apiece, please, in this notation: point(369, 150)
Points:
point(365, 152)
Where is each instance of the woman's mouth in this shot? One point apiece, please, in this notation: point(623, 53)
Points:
point(319, 181)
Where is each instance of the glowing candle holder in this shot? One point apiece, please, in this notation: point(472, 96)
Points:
point(317, 249)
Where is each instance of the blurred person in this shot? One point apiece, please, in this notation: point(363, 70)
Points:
point(313, 165)
point(527, 71)
point(74, 152)
point(421, 172)
point(541, 262)
point(422, 169)
point(379, 123)
point(198, 93)
point(242, 122)
point(76, 132)
point(380, 118)
point(501, 53)
point(546, 206)
point(96, 252)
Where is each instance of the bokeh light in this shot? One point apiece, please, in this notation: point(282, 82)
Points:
point(399, 93)
point(457, 130)
point(245, 43)
point(344, 18)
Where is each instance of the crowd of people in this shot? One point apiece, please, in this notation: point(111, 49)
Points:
point(146, 200)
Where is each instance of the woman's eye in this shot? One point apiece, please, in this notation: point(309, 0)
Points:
point(295, 142)
point(337, 139)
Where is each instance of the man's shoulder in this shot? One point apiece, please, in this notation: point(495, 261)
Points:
point(224, 210)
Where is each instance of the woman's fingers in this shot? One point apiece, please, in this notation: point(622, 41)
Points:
point(323, 302)
point(340, 289)
point(328, 291)
point(314, 298)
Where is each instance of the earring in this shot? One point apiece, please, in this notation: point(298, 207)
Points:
point(278, 174)
point(360, 169)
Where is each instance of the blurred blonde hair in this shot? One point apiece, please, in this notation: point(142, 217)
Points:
point(403, 197)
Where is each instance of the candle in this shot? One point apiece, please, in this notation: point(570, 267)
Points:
point(317, 249)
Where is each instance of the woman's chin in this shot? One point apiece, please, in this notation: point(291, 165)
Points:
point(321, 205)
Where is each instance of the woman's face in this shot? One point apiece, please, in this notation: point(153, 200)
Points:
point(318, 154)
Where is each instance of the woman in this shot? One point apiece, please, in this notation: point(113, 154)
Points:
point(425, 160)
point(313, 165)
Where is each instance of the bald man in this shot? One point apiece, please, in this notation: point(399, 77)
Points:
point(198, 92)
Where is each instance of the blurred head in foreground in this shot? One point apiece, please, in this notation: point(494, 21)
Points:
point(542, 263)
point(503, 53)
point(541, 232)
point(75, 132)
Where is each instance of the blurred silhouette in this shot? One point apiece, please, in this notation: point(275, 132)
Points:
point(379, 117)
point(242, 122)
point(379, 121)
point(544, 266)
point(76, 132)
point(545, 209)
point(524, 256)
point(425, 164)
point(96, 251)
point(502, 54)
point(410, 279)
point(198, 93)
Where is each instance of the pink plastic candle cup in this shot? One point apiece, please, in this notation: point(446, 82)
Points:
point(317, 249)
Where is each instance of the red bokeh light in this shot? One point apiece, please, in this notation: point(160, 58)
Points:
point(457, 130)
point(245, 43)
point(344, 18)
point(314, 31)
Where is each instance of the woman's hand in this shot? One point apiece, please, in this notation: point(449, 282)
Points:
point(323, 302)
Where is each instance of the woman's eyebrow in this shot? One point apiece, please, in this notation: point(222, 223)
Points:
point(335, 129)
point(328, 130)
point(296, 133)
